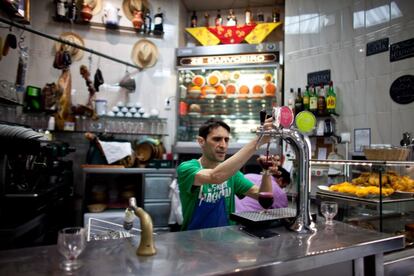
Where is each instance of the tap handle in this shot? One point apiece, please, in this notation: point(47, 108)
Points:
point(132, 202)
point(262, 116)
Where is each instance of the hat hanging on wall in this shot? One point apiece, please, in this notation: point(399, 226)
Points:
point(76, 54)
point(129, 6)
point(96, 5)
point(144, 53)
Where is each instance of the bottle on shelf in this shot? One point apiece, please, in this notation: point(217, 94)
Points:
point(72, 11)
point(248, 16)
point(275, 15)
point(260, 16)
point(331, 99)
point(321, 101)
point(306, 96)
point(206, 19)
point(159, 22)
point(194, 20)
point(291, 100)
point(219, 20)
point(147, 22)
point(61, 9)
point(231, 18)
point(313, 100)
point(298, 102)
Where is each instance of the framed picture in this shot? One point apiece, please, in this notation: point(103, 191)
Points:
point(24, 11)
point(362, 138)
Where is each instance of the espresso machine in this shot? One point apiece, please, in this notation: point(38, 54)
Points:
point(36, 186)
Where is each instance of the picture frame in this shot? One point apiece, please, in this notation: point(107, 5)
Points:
point(362, 138)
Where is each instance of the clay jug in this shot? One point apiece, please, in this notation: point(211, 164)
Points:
point(86, 12)
point(137, 21)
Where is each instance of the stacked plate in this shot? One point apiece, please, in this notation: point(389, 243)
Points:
point(19, 132)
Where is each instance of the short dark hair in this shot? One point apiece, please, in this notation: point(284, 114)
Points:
point(211, 124)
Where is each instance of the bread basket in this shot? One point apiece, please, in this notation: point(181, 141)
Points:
point(96, 208)
point(387, 153)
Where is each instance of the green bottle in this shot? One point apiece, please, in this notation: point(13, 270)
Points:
point(331, 99)
point(313, 101)
point(306, 97)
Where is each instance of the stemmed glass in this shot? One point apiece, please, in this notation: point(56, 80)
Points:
point(329, 209)
point(265, 200)
point(71, 243)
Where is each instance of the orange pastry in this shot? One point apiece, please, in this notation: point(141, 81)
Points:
point(268, 77)
point(231, 90)
point(270, 89)
point(210, 91)
point(220, 90)
point(243, 91)
point(198, 80)
point(257, 91)
point(213, 80)
point(194, 91)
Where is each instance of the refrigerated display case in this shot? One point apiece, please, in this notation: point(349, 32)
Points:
point(229, 82)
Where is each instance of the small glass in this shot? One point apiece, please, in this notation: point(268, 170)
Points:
point(71, 243)
point(265, 200)
point(329, 209)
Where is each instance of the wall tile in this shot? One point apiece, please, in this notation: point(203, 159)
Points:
point(347, 28)
point(401, 10)
point(377, 15)
point(345, 98)
point(378, 99)
point(380, 123)
point(399, 33)
point(309, 33)
point(330, 27)
point(308, 8)
point(292, 11)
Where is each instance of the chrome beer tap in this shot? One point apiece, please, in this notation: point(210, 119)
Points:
point(302, 223)
point(146, 246)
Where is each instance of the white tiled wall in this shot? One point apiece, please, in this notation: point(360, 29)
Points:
point(322, 34)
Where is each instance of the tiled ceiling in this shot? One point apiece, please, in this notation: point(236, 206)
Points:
point(204, 5)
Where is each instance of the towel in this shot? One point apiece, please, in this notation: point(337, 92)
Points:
point(176, 214)
point(115, 151)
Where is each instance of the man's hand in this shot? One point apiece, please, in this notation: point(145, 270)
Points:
point(270, 163)
point(268, 125)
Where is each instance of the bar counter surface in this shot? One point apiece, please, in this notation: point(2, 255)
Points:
point(215, 251)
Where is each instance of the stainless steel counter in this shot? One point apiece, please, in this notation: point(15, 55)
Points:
point(224, 250)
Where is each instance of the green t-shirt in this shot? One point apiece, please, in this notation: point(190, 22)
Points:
point(235, 185)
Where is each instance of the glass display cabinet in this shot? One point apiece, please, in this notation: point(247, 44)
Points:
point(230, 82)
point(377, 195)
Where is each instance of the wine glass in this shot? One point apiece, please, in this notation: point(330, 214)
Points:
point(329, 209)
point(71, 243)
point(265, 200)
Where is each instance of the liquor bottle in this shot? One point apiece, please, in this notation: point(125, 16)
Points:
point(231, 19)
point(275, 15)
point(298, 102)
point(331, 99)
point(219, 20)
point(72, 11)
point(291, 101)
point(159, 22)
point(147, 22)
point(248, 16)
point(321, 101)
point(306, 96)
point(313, 101)
point(260, 17)
point(206, 20)
point(194, 20)
point(61, 9)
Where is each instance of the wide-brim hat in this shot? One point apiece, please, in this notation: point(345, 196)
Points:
point(129, 6)
point(75, 53)
point(144, 53)
point(96, 5)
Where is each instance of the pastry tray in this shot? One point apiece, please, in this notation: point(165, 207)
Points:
point(272, 217)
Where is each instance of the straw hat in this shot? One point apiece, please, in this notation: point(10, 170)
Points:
point(96, 5)
point(129, 6)
point(76, 54)
point(144, 53)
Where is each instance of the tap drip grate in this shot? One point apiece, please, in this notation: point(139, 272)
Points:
point(256, 218)
point(99, 229)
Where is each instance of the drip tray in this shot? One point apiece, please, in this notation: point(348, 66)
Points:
point(273, 217)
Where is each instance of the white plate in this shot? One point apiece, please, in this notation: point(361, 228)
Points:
point(323, 188)
point(195, 114)
point(404, 192)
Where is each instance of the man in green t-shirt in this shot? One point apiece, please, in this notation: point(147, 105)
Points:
point(219, 179)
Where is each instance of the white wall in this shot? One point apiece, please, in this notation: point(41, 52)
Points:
point(332, 34)
point(154, 85)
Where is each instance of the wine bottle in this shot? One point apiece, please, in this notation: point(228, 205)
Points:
point(61, 9)
point(194, 20)
point(306, 96)
point(206, 20)
point(147, 22)
point(248, 16)
point(159, 22)
point(331, 99)
point(291, 101)
point(298, 102)
point(231, 18)
point(219, 20)
point(72, 11)
point(275, 15)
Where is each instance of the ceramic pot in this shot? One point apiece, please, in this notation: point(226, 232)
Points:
point(137, 21)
